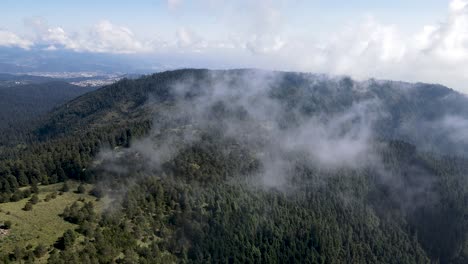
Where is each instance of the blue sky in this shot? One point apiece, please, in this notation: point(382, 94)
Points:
point(151, 16)
point(412, 40)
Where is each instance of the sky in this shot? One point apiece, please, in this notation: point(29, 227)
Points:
point(409, 40)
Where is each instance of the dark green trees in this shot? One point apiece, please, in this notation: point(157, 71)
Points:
point(67, 240)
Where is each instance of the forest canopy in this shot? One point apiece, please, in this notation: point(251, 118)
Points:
point(249, 166)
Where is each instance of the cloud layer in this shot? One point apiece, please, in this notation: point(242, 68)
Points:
point(10, 39)
point(260, 36)
point(104, 37)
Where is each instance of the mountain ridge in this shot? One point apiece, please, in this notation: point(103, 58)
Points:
point(298, 167)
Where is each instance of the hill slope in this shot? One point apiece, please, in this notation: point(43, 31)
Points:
point(21, 104)
point(262, 167)
point(403, 107)
point(8, 80)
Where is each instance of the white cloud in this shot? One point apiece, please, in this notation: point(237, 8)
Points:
point(107, 37)
point(258, 34)
point(10, 39)
point(262, 23)
point(265, 44)
point(437, 53)
point(457, 5)
point(359, 49)
point(186, 37)
point(51, 48)
point(103, 37)
point(58, 36)
point(47, 35)
point(448, 41)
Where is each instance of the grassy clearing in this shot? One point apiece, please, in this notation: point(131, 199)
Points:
point(42, 224)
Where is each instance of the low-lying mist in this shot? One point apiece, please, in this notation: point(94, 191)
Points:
point(244, 107)
point(390, 152)
point(262, 127)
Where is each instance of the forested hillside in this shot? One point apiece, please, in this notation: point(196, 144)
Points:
point(8, 80)
point(248, 166)
point(22, 104)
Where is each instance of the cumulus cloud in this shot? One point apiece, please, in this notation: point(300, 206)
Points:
point(449, 40)
point(58, 36)
point(187, 38)
point(265, 44)
point(458, 5)
point(369, 45)
point(260, 23)
point(107, 37)
point(48, 35)
point(104, 37)
point(10, 39)
point(259, 31)
point(437, 53)
point(258, 34)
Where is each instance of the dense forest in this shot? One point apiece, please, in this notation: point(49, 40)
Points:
point(248, 166)
point(9, 80)
point(21, 105)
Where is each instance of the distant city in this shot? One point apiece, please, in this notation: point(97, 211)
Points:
point(84, 79)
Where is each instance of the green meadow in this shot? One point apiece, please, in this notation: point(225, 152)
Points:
point(43, 223)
